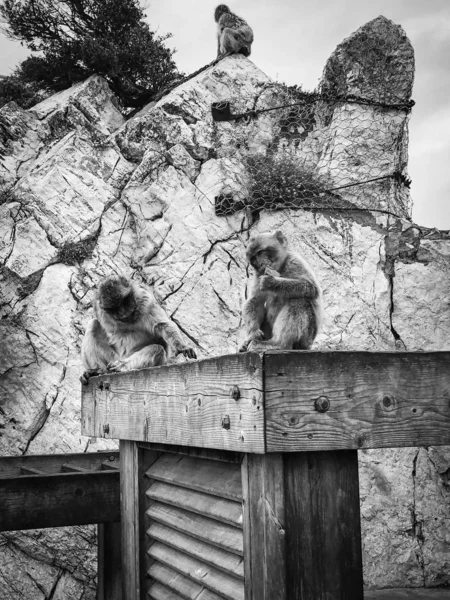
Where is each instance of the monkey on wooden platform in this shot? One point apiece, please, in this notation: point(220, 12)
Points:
point(234, 36)
point(129, 330)
point(285, 302)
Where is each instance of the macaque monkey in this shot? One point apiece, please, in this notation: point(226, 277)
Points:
point(129, 331)
point(285, 299)
point(234, 36)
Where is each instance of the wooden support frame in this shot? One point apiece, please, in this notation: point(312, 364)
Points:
point(59, 490)
point(297, 419)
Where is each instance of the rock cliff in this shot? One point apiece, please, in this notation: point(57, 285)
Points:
point(85, 193)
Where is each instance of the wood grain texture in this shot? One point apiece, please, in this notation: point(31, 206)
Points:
point(208, 476)
point(376, 400)
point(129, 505)
point(220, 559)
point(109, 553)
point(37, 501)
point(323, 532)
point(228, 587)
point(198, 526)
point(221, 509)
point(181, 404)
point(170, 580)
point(14, 466)
point(264, 527)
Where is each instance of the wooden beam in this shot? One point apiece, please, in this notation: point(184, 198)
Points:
point(214, 403)
point(37, 501)
point(14, 466)
point(344, 400)
point(322, 521)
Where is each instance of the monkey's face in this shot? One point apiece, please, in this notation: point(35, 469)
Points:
point(116, 297)
point(266, 250)
point(220, 10)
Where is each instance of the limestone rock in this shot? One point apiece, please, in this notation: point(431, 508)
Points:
point(376, 62)
point(88, 194)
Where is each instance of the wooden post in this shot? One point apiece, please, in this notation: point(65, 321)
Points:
point(109, 561)
point(264, 527)
point(134, 462)
point(302, 533)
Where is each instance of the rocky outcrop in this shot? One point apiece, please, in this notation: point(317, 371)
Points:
point(86, 194)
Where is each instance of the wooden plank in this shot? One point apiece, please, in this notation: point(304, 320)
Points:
point(31, 471)
point(220, 509)
point(109, 561)
point(208, 453)
point(211, 477)
point(37, 501)
point(376, 400)
point(264, 528)
point(225, 585)
point(172, 580)
point(189, 404)
point(215, 533)
point(160, 592)
point(11, 466)
point(323, 532)
point(220, 559)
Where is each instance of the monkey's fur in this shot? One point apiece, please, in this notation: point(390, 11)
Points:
point(129, 330)
point(285, 300)
point(234, 36)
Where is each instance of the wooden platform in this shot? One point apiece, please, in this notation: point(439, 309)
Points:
point(239, 474)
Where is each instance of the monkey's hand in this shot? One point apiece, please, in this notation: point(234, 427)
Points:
point(257, 336)
point(270, 271)
point(90, 373)
point(116, 366)
point(268, 283)
point(187, 352)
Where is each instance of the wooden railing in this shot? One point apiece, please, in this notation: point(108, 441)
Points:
point(278, 430)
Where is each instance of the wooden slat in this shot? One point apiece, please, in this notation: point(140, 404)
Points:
point(220, 559)
point(72, 469)
point(172, 580)
point(225, 585)
point(12, 466)
point(323, 531)
point(377, 400)
point(211, 477)
point(264, 528)
point(31, 471)
point(161, 592)
point(182, 404)
point(37, 501)
point(215, 533)
point(220, 509)
point(208, 453)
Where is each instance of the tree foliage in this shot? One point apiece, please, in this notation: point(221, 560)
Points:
point(76, 38)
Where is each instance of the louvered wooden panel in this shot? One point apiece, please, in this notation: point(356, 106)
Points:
point(195, 539)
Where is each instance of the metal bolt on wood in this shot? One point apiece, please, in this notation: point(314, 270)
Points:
point(235, 393)
point(226, 422)
point(321, 404)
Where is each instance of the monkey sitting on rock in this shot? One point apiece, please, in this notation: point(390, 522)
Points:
point(285, 298)
point(129, 331)
point(234, 36)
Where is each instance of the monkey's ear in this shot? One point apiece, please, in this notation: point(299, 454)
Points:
point(280, 237)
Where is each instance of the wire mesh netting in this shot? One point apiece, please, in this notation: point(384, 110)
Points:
point(343, 147)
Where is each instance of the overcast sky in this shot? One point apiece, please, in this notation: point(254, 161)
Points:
point(294, 38)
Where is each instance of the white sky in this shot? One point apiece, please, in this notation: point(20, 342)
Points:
point(294, 38)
